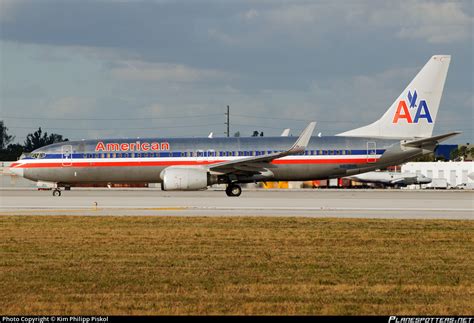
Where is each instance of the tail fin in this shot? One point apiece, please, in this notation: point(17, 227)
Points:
point(413, 114)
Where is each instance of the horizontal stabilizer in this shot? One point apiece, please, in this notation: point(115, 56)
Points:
point(420, 143)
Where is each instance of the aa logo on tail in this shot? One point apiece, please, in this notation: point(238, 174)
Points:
point(403, 113)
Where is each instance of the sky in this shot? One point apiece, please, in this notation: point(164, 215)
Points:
point(130, 68)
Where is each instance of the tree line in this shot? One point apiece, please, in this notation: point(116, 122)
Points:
point(10, 151)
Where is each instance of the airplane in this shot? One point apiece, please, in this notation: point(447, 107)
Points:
point(394, 179)
point(286, 132)
point(403, 133)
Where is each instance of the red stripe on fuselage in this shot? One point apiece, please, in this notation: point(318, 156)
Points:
point(188, 163)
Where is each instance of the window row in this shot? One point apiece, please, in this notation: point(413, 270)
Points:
point(211, 153)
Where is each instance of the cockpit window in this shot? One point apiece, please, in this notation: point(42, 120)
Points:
point(38, 155)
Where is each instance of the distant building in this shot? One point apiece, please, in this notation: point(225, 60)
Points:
point(455, 173)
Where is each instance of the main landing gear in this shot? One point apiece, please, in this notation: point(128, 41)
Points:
point(233, 190)
point(56, 192)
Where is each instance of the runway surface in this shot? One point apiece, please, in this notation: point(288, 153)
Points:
point(390, 204)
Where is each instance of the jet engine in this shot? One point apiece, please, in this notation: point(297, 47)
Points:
point(183, 178)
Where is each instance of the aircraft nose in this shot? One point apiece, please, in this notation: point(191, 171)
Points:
point(17, 171)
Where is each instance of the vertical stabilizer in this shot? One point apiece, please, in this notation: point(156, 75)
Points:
point(413, 114)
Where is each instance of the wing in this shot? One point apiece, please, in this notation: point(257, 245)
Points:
point(261, 164)
point(398, 180)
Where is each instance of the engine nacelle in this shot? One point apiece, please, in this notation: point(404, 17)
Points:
point(185, 178)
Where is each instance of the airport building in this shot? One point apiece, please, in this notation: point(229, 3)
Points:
point(454, 173)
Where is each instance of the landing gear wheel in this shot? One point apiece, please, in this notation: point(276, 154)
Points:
point(56, 192)
point(233, 190)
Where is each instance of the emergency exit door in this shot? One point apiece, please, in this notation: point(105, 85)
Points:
point(371, 152)
point(66, 153)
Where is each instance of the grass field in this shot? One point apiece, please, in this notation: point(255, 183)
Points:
point(235, 265)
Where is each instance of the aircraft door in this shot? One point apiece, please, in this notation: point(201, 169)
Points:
point(371, 152)
point(66, 155)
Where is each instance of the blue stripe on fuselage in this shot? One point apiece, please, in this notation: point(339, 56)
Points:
point(142, 154)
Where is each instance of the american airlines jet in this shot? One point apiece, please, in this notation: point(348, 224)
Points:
point(403, 133)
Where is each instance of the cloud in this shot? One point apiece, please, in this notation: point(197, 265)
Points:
point(8, 10)
point(434, 22)
point(251, 14)
point(326, 60)
point(143, 71)
point(70, 106)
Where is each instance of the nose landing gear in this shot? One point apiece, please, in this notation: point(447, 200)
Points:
point(233, 190)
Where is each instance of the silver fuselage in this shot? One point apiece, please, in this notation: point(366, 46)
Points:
point(134, 160)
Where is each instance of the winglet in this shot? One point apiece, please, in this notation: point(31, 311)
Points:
point(303, 140)
point(298, 147)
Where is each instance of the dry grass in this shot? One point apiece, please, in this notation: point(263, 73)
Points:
point(177, 265)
